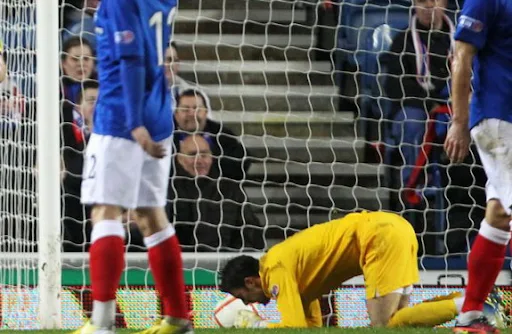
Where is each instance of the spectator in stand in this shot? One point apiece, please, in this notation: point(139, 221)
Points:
point(172, 68)
point(177, 84)
point(210, 213)
point(77, 61)
point(76, 128)
point(418, 68)
point(78, 20)
point(17, 177)
point(3, 65)
point(84, 111)
point(12, 101)
point(191, 117)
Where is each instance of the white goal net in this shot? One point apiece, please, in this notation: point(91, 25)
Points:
point(320, 114)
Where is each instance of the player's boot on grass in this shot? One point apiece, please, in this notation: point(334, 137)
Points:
point(493, 317)
point(166, 327)
point(479, 325)
point(494, 310)
point(89, 328)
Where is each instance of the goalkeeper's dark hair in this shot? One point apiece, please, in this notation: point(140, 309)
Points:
point(86, 84)
point(233, 275)
point(192, 92)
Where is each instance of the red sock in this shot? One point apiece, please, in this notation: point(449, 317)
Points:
point(167, 269)
point(485, 262)
point(106, 266)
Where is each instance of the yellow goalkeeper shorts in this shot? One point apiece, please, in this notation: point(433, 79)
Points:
point(390, 256)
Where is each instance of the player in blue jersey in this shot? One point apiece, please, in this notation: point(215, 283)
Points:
point(484, 44)
point(128, 159)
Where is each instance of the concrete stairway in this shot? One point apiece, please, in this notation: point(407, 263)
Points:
point(255, 61)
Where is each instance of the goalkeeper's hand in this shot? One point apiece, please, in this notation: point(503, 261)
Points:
point(142, 136)
point(249, 319)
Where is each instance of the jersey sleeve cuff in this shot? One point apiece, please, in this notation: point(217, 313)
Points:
point(468, 37)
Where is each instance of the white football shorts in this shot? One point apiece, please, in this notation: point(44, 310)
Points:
point(493, 139)
point(118, 172)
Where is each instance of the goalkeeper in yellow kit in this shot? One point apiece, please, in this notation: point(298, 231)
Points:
point(298, 271)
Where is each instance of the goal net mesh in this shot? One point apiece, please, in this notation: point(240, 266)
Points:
point(300, 87)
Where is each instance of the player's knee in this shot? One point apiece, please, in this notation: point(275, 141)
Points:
point(496, 216)
point(380, 321)
point(105, 212)
point(381, 309)
point(151, 220)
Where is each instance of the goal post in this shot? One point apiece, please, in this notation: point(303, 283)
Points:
point(48, 163)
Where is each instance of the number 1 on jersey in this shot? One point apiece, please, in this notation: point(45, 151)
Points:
point(156, 20)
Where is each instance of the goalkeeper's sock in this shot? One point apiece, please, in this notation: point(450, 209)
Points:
point(425, 314)
point(106, 266)
point(164, 254)
point(485, 262)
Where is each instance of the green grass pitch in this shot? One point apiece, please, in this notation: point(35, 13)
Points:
point(289, 331)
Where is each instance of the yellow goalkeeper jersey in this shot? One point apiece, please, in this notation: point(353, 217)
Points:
point(299, 270)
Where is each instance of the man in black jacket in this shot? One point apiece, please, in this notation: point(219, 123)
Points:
point(191, 117)
point(209, 213)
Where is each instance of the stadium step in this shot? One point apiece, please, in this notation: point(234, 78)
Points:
point(258, 72)
point(203, 51)
point(237, 4)
point(245, 47)
point(296, 221)
point(301, 41)
point(236, 27)
point(338, 197)
point(241, 21)
point(317, 173)
point(272, 98)
point(304, 150)
point(288, 124)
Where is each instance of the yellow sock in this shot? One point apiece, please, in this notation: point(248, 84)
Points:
point(427, 314)
point(452, 295)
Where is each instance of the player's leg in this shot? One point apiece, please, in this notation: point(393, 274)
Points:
point(390, 270)
point(164, 255)
point(106, 262)
point(488, 250)
point(405, 299)
point(426, 314)
point(390, 267)
point(164, 251)
point(392, 310)
point(111, 172)
point(381, 308)
point(313, 314)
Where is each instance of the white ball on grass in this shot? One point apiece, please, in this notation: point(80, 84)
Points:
point(227, 309)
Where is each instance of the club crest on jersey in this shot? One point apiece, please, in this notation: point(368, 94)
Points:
point(274, 291)
point(124, 37)
point(471, 23)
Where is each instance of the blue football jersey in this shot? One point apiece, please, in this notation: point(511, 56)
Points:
point(133, 29)
point(487, 24)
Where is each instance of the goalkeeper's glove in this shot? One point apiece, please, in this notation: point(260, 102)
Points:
point(249, 319)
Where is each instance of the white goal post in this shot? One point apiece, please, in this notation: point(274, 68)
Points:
point(48, 163)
